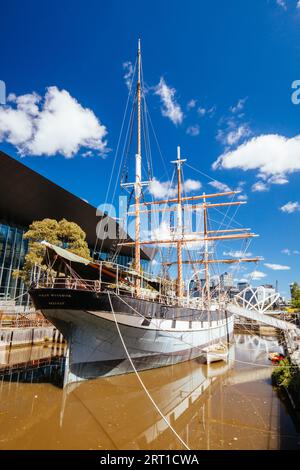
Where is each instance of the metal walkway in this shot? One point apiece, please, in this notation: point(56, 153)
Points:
point(261, 317)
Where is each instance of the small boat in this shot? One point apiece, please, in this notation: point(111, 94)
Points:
point(216, 353)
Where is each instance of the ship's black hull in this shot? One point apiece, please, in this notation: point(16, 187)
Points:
point(155, 335)
point(99, 301)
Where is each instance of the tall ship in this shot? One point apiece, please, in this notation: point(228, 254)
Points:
point(118, 318)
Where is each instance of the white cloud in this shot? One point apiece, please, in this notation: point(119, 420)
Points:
point(242, 197)
point(164, 232)
point(56, 124)
point(220, 186)
point(278, 179)
point(193, 130)
point(239, 106)
point(277, 267)
point(233, 134)
point(191, 104)
point(16, 127)
point(271, 154)
point(161, 190)
point(256, 275)
point(289, 252)
point(129, 71)
point(237, 254)
point(201, 111)
point(290, 207)
point(27, 103)
point(167, 189)
point(259, 186)
point(88, 153)
point(298, 4)
point(191, 185)
point(282, 4)
point(265, 183)
point(171, 108)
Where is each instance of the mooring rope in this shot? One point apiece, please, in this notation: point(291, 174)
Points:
point(140, 380)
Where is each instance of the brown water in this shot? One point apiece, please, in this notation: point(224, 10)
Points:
point(223, 406)
point(23, 354)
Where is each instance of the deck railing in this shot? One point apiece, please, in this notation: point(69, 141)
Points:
point(68, 283)
point(43, 280)
point(117, 287)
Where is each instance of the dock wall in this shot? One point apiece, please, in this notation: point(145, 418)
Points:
point(20, 336)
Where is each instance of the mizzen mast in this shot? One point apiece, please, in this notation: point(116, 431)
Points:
point(206, 254)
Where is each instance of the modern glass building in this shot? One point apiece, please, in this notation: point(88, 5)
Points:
point(26, 196)
point(13, 248)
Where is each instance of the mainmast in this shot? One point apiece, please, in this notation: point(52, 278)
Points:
point(179, 163)
point(138, 177)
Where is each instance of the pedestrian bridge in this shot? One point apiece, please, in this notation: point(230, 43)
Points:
point(262, 317)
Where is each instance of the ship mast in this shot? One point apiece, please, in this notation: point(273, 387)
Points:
point(181, 202)
point(138, 177)
point(178, 164)
point(206, 254)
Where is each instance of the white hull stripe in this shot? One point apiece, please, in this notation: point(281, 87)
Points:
point(161, 324)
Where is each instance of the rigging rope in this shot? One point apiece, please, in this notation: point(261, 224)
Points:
point(141, 381)
point(115, 157)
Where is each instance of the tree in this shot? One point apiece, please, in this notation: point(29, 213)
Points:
point(63, 233)
point(295, 294)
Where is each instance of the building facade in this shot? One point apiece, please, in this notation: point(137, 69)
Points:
point(13, 249)
point(26, 196)
point(226, 280)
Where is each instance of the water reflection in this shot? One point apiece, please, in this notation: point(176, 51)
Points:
point(35, 363)
point(221, 406)
point(26, 354)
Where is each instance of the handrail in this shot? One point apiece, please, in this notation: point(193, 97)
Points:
point(100, 286)
point(72, 284)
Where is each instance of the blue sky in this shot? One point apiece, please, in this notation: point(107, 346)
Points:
point(230, 65)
